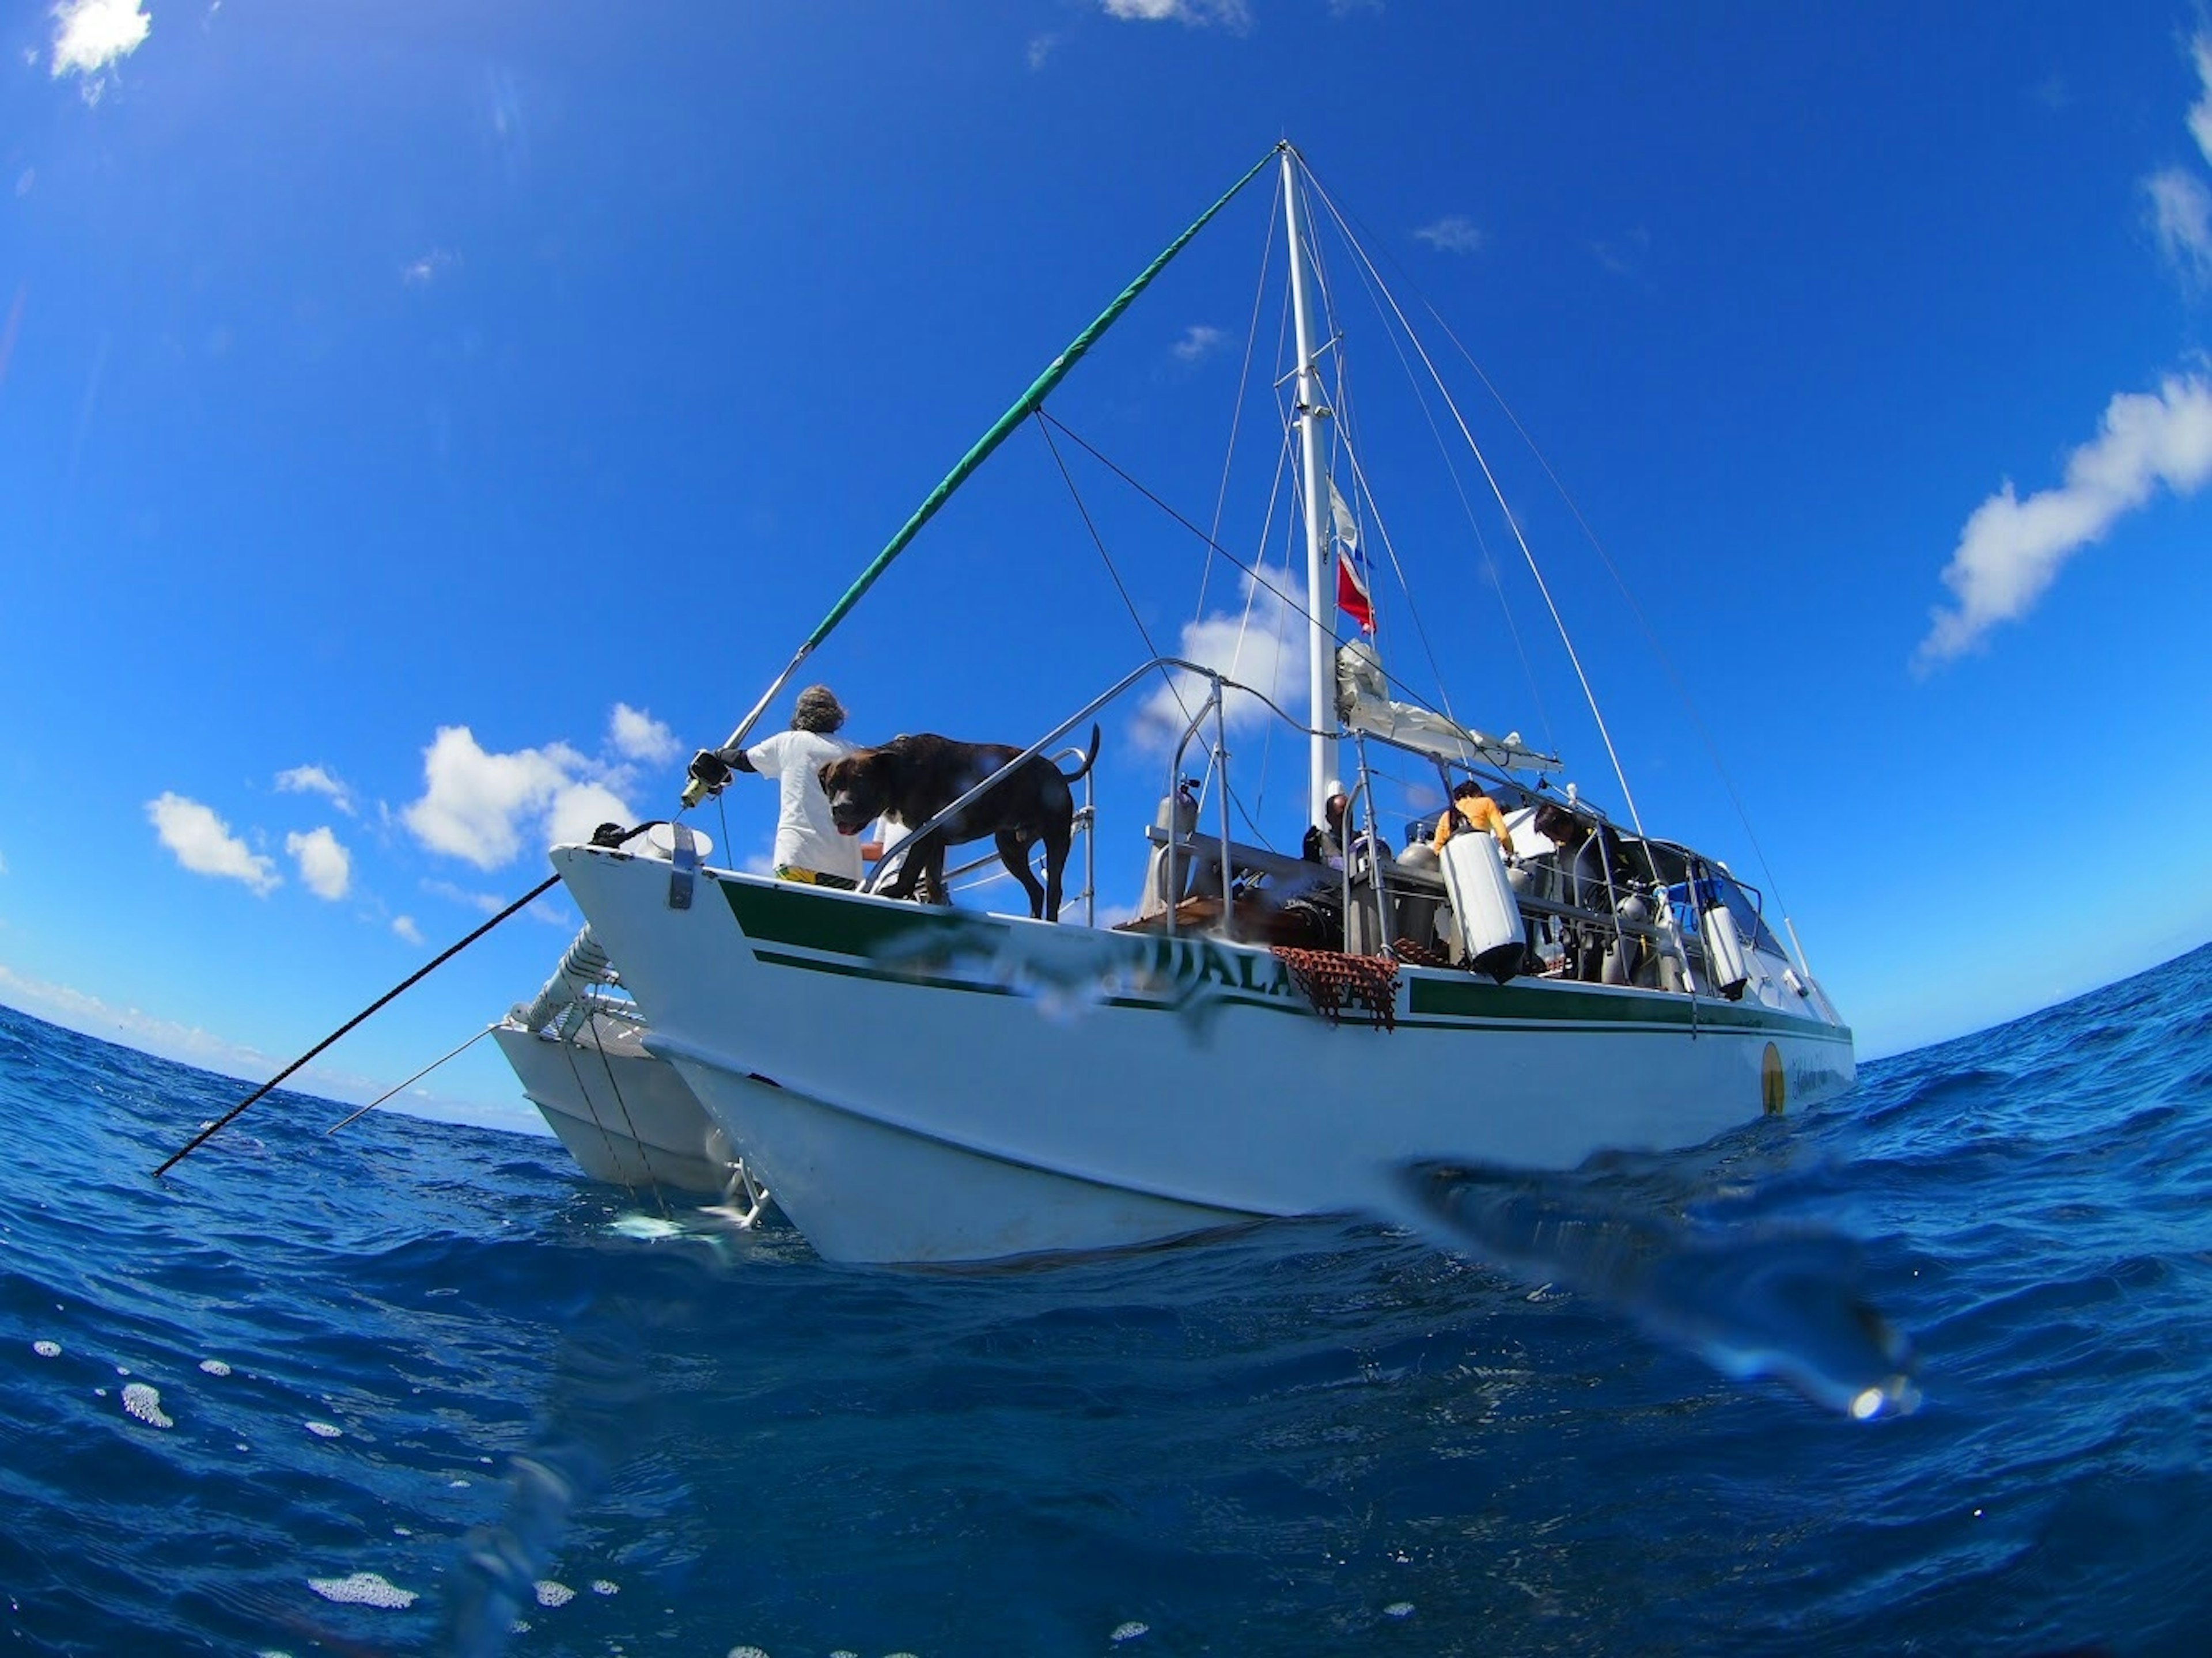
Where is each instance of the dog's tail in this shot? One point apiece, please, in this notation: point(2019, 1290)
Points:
point(1089, 760)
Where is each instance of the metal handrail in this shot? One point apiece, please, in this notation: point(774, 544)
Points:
point(1219, 681)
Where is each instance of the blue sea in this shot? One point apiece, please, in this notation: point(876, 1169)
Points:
point(417, 1387)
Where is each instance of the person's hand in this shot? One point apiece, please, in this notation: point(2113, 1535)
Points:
point(709, 770)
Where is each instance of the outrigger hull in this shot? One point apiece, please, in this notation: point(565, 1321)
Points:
point(627, 1117)
point(924, 1084)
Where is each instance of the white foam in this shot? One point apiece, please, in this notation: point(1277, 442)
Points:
point(551, 1594)
point(145, 1403)
point(646, 1229)
point(363, 1589)
point(1399, 1609)
point(324, 1430)
point(747, 1652)
point(403, 1530)
point(602, 1585)
point(1130, 1630)
point(214, 1367)
point(47, 1349)
point(123, 1370)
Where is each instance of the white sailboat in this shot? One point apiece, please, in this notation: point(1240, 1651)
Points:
point(918, 1083)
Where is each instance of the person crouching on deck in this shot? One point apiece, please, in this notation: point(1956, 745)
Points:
point(808, 847)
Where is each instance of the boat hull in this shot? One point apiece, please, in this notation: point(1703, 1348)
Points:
point(627, 1117)
point(884, 1067)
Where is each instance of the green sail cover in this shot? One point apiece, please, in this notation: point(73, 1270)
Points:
point(1023, 406)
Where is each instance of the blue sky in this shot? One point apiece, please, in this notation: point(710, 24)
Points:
point(421, 427)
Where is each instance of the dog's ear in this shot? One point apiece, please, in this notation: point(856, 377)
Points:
point(823, 774)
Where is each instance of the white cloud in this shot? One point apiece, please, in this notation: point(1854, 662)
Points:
point(1623, 255)
point(91, 35)
point(1041, 47)
point(2011, 551)
point(405, 927)
point(2200, 113)
point(1198, 342)
point(638, 736)
point(1230, 13)
point(487, 902)
point(1263, 648)
point(324, 865)
point(204, 844)
point(2181, 213)
point(421, 273)
point(64, 1004)
point(1453, 234)
point(581, 808)
point(479, 806)
point(313, 780)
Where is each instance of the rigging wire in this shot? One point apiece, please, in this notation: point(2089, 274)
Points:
point(1589, 694)
point(1482, 541)
point(1045, 424)
point(1243, 381)
point(1296, 604)
point(410, 1082)
point(1635, 609)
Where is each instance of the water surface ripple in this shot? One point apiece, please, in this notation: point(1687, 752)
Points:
point(416, 1389)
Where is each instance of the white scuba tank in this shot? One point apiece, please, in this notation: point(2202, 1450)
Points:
point(1482, 899)
point(1723, 950)
point(1168, 871)
point(1635, 910)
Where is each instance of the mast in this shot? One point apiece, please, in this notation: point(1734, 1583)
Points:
point(1321, 654)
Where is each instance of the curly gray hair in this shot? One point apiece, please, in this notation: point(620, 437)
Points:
point(818, 710)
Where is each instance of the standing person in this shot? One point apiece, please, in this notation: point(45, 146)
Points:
point(808, 847)
point(1471, 809)
point(1324, 841)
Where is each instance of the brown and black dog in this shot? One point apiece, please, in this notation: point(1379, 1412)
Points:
point(914, 777)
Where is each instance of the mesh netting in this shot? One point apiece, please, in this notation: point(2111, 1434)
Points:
point(1335, 983)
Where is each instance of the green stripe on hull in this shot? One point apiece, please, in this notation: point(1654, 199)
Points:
point(1472, 998)
point(897, 943)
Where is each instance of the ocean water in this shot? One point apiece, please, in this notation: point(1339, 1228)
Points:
point(422, 1388)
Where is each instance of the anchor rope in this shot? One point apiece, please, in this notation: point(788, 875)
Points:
point(599, 1042)
point(601, 839)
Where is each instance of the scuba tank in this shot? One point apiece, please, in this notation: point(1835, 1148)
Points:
point(1634, 910)
point(1724, 963)
point(1168, 871)
point(1482, 899)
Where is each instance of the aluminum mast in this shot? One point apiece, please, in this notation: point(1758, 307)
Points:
point(1321, 639)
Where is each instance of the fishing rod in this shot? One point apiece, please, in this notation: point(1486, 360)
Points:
point(607, 834)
